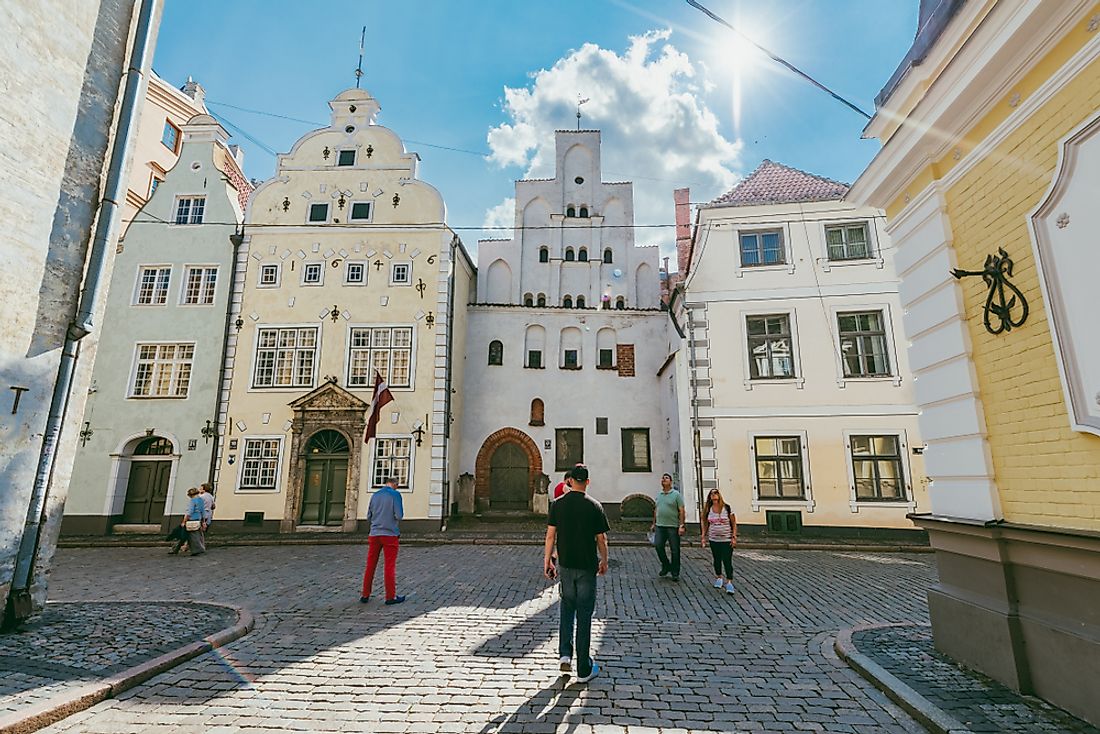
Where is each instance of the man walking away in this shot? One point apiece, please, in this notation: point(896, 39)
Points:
point(384, 518)
point(668, 526)
point(578, 527)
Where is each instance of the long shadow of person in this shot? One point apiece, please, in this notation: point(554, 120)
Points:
point(548, 709)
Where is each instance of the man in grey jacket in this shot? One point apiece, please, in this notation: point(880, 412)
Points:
point(384, 518)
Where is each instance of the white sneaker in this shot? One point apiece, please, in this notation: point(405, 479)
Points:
point(590, 676)
point(565, 664)
point(718, 583)
point(729, 587)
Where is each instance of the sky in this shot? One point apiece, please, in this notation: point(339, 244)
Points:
point(477, 89)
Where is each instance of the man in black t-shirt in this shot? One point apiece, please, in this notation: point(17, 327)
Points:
point(578, 526)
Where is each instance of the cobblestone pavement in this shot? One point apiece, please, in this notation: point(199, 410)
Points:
point(474, 647)
point(72, 644)
point(978, 702)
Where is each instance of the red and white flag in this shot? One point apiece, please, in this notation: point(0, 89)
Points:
point(382, 395)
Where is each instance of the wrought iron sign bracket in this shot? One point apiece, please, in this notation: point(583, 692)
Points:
point(1004, 303)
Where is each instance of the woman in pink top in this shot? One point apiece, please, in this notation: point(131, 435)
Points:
point(720, 532)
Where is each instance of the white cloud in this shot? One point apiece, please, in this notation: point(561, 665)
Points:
point(657, 128)
point(501, 215)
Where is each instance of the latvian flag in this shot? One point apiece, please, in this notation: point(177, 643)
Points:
point(382, 395)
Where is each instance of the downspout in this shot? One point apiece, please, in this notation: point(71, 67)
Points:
point(114, 191)
point(236, 239)
point(448, 382)
point(696, 435)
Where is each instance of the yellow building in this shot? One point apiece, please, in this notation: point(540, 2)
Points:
point(348, 268)
point(990, 177)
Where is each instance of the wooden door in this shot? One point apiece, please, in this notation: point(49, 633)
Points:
point(509, 478)
point(146, 492)
point(326, 479)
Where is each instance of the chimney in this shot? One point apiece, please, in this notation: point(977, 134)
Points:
point(195, 91)
point(683, 229)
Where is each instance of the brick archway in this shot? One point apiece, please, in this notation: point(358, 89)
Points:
point(485, 455)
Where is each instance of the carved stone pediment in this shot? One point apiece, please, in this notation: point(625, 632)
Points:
point(329, 397)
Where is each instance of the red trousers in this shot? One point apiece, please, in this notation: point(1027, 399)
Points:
point(378, 543)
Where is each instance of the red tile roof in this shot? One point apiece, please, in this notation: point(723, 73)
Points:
point(774, 183)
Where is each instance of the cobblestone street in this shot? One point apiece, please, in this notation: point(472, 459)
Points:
point(474, 647)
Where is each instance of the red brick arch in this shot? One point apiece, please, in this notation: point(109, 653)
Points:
point(492, 443)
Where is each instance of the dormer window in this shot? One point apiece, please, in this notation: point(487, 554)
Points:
point(584, 212)
point(345, 158)
point(569, 255)
point(582, 255)
point(544, 254)
point(570, 211)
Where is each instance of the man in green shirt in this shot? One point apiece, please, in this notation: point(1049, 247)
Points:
point(668, 526)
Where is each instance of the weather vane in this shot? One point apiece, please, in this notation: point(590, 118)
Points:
point(579, 103)
point(359, 70)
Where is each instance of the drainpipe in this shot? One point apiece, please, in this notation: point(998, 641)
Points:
point(236, 239)
point(114, 191)
point(447, 399)
point(696, 435)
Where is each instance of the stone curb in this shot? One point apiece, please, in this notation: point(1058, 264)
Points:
point(930, 716)
point(62, 706)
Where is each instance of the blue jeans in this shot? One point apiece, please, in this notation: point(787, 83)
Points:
point(578, 601)
point(671, 536)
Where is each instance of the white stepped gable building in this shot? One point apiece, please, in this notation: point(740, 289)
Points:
point(564, 343)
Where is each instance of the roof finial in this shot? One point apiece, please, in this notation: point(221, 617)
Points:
point(579, 103)
point(359, 69)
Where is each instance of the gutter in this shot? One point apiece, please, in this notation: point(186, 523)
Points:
point(19, 605)
point(236, 239)
point(455, 242)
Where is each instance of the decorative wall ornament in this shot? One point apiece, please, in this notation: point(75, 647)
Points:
point(421, 286)
point(286, 203)
point(396, 200)
point(1063, 220)
point(378, 264)
point(326, 153)
point(999, 305)
point(335, 315)
point(209, 431)
point(369, 151)
point(1094, 23)
point(85, 433)
point(429, 319)
point(1014, 100)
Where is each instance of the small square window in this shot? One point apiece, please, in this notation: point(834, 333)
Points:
point(171, 136)
point(568, 448)
point(269, 275)
point(356, 274)
point(601, 426)
point(318, 212)
point(312, 273)
point(346, 158)
point(848, 242)
point(762, 248)
point(534, 359)
point(636, 450)
point(400, 274)
point(189, 209)
point(360, 211)
point(607, 359)
point(571, 359)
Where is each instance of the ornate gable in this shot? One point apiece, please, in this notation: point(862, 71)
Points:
point(329, 397)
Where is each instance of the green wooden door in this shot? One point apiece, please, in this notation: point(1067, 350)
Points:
point(508, 478)
point(326, 479)
point(146, 492)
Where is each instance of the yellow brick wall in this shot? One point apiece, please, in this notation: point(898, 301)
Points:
point(1047, 473)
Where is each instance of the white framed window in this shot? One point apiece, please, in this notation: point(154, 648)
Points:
point(345, 157)
point(269, 275)
point(850, 241)
point(285, 356)
point(878, 469)
point(401, 274)
point(355, 273)
point(190, 209)
point(393, 458)
point(151, 288)
point(780, 470)
point(771, 354)
point(200, 284)
point(864, 350)
point(161, 370)
point(318, 213)
point(313, 273)
point(762, 248)
point(170, 137)
point(387, 349)
point(361, 211)
point(259, 470)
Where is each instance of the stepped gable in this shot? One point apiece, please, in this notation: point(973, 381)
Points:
point(774, 183)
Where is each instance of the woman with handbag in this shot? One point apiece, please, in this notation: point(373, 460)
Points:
point(720, 532)
point(193, 523)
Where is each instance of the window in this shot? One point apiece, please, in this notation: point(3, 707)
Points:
point(584, 212)
point(285, 357)
point(392, 460)
point(541, 300)
point(607, 359)
point(571, 359)
point(152, 286)
point(848, 242)
point(360, 211)
point(779, 467)
point(568, 448)
point(355, 273)
point(496, 352)
point(154, 182)
point(567, 302)
point(162, 370)
point(345, 158)
point(876, 467)
point(620, 304)
point(570, 256)
point(582, 255)
point(607, 255)
point(528, 299)
point(171, 136)
point(313, 273)
point(636, 450)
point(199, 286)
point(570, 211)
point(387, 349)
point(538, 411)
point(269, 275)
point(769, 345)
point(260, 464)
point(189, 209)
point(580, 302)
point(399, 275)
point(534, 359)
point(863, 344)
point(601, 426)
point(544, 254)
point(762, 248)
point(318, 212)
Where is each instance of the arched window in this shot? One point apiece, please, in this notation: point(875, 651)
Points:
point(620, 304)
point(541, 300)
point(584, 212)
point(605, 348)
point(537, 413)
point(534, 341)
point(570, 348)
point(327, 441)
point(528, 299)
point(496, 352)
point(580, 302)
point(570, 211)
point(153, 446)
point(544, 254)
point(582, 255)
point(606, 301)
point(607, 256)
point(567, 302)
point(569, 256)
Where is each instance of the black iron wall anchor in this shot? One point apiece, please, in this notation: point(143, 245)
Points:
point(998, 303)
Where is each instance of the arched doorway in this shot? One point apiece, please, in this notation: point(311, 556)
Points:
point(508, 478)
point(147, 484)
point(325, 483)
